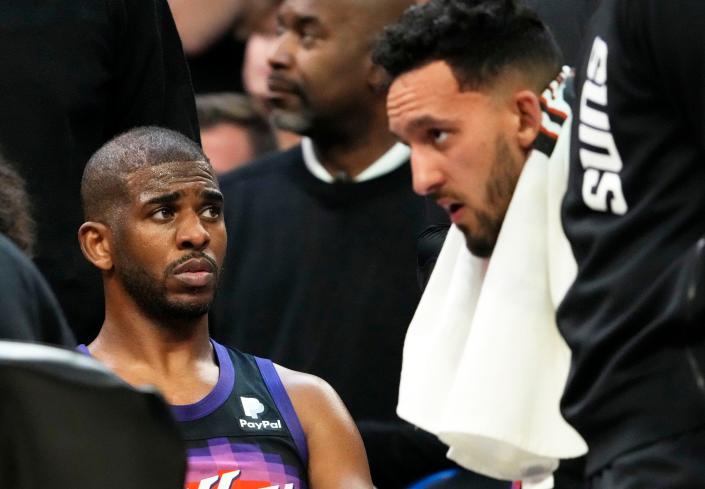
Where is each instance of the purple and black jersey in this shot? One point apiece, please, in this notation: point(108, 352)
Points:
point(245, 433)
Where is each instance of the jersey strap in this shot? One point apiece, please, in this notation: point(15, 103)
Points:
point(283, 402)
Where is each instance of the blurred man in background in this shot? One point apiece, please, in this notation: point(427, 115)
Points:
point(320, 272)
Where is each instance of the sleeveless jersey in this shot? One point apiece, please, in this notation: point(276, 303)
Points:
point(245, 433)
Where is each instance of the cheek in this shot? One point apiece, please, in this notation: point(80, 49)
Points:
point(219, 242)
point(146, 249)
point(322, 73)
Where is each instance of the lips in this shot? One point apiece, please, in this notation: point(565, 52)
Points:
point(195, 265)
point(279, 84)
point(453, 208)
point(195, 272)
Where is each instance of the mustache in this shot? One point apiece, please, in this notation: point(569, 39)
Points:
point(278, 83)
point(196, 254)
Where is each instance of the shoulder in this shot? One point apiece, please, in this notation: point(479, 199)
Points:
point(316, 403)
point(265, 167)
point(308, 392)
point(336, 452)
point(28, 309)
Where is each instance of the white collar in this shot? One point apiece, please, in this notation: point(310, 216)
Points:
point(388, 162)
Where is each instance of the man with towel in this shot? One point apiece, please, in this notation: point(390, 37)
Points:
point(477, 92)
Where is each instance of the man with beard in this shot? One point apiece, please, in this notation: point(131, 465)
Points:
point(477, 92)
point(154, 228)
point(320, 269)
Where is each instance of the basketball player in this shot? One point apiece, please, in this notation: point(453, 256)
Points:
point(154, 228)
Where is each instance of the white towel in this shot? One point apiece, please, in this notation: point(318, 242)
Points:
point(484, 364)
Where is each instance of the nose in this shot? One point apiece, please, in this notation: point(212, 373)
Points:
point(280, 57)
point(191, 234)
point(427, 177)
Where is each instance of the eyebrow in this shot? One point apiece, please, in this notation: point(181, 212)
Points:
point(426, 121)
point(306, 20)
point(300, 21)
point(169, 198)
point(212, 195)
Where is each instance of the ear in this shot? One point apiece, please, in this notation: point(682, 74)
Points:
point(377, 79)
point(96, 244)
point(528, 107)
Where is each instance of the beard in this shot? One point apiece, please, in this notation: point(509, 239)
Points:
point(150, 294)
point(296, 122)
point(499, 190)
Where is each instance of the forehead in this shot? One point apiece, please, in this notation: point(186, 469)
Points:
point(169, 177)
point(323, 11)
point(339, 14)
point(432, 91)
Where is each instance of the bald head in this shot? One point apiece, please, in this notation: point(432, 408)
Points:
point(374, 15)
point(104, 185)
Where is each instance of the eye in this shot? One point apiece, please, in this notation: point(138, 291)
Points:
point(163, 214)
point(438, 136)
point(211, 212)
point(307, 39)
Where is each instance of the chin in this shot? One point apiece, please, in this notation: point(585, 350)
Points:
point(295, 122)
point(478, 246)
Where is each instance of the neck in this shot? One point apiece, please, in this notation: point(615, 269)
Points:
point(175, 356)
point(129, 337)
point(354, 149)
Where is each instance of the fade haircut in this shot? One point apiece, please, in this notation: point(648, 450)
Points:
point(479, 39)
point(104, 179)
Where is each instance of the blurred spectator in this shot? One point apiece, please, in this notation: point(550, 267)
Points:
point(261, 43)
point(28, 309)
point(74, 75)
point(232, 131)
point(320, 269)
point(15, 220)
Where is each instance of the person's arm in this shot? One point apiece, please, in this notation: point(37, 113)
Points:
point(150, 83)
point(336, 454)
point(201, 22)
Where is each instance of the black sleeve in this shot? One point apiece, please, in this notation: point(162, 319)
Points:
point(674, 35)
point(28, 309)
point(151, 84)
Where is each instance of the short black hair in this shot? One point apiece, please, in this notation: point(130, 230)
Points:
point(15, 217)
point(237, 109)
point(479, 39)
point(104, 177)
